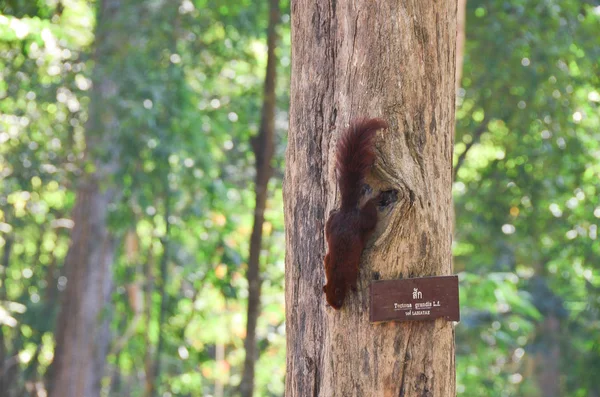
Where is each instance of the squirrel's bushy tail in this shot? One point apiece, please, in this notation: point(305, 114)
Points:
point(354, 158)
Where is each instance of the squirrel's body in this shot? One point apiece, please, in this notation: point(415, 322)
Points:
point(348, 228)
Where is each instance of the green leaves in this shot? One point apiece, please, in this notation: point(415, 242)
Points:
point(521, 195)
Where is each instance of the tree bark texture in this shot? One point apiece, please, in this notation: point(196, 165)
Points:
point(264, 147)
point(82, 332)
point(394, 60)
point(461, 22)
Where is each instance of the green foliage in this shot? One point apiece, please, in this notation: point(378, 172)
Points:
point(526, 196)
point(194, 73)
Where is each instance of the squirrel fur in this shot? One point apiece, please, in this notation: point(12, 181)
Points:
point(349, 227)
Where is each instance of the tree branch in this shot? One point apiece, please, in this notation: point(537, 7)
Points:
point(476, 136)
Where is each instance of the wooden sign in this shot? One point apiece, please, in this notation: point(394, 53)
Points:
point(415, 299)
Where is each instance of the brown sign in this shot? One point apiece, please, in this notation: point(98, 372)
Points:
point(415, 299)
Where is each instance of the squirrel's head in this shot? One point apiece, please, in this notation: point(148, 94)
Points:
point(334, 295)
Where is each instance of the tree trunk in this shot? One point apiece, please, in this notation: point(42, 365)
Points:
point(82, 328)
point(263, 145)
point(4, 356)
point(153, 380)
point(545, 347)
point(461, 21)
point(548, 357)
point(394, 60)
point(149, 353)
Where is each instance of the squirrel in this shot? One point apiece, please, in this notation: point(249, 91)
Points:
point(349, 227)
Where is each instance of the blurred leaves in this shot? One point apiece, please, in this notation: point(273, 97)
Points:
point(526, 193)
point(194, 73)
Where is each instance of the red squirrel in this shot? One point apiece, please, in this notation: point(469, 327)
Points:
point(349, 227)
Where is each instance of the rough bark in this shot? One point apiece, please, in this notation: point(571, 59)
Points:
point(387, 59)
point(461, 20)
point(82, 328)
point(263, 145)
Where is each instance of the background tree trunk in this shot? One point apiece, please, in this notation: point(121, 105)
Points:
point(548, 357)
point(4, 357)
point(545, 349)
point(395, 60)
point(153, 379)
point(82, 329)
point(264, 147)
point(82, 332)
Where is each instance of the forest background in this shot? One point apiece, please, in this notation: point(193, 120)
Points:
point(186, 94)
